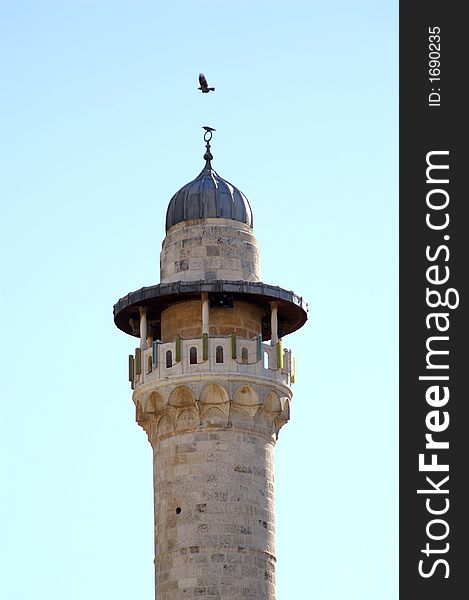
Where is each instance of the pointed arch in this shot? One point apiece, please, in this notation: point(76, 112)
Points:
point(272, 402)
point(214, 416)
point(187, 419)
point(286, 408)
point(246, 401)
point(138, 411)
point(214, 394)
point(154, 403)
point(165, 425)
point(246, 396)
point(181, 396)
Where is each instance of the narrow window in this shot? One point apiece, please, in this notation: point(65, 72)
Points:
point(193, 356)
point(244, 356)
point(150, 364)
point(266, 360)
point(219, 354)
point(169, 359)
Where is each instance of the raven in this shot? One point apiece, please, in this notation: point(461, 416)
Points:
point(204, 85)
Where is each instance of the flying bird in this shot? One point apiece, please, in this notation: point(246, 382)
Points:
point(204, 85)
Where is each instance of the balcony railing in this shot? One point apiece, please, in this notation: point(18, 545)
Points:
point(223, 354)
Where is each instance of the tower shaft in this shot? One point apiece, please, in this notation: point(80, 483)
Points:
point(214, 515)
point(213, 428)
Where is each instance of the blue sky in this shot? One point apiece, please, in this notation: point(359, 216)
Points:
point(100, 124)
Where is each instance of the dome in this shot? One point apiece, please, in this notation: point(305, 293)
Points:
point(207, 196)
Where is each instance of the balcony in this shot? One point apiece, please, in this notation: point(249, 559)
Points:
point(227, 355)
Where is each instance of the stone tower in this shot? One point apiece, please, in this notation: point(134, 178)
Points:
point(211, 385)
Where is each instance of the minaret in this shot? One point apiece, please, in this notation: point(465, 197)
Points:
point(212, 388)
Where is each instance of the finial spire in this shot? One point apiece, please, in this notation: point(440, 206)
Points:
point(207, 137)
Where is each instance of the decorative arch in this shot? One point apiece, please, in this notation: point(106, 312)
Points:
point(214, 416)
point(154, 403)
point(181, 396)
point(139, 415)
point(246, 400)
point(165, 425)
point(284, 417)
point(272, 403)
point(246, 396)
point(187, 419)
point(285, 408)
point(214, 394)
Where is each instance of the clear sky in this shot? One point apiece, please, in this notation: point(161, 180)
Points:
point(100, 123)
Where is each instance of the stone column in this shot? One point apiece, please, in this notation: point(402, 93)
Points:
point(205, 313)
point(143, 328)
point(273, 324)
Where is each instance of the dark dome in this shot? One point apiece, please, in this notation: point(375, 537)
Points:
point(208, 195)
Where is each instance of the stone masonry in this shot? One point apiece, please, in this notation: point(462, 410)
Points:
point(212, 388)
point(209, 249)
